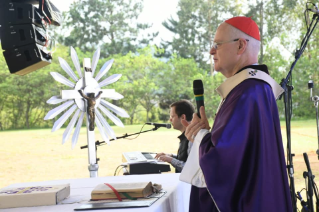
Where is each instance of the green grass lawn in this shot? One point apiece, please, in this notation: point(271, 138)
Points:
point(37, 155)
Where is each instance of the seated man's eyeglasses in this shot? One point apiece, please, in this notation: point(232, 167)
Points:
point(217, 44)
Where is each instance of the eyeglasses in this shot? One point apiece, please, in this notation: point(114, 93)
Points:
point(217, 44)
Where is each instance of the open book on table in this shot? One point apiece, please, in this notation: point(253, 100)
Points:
point(122, 190)
point(123, 195)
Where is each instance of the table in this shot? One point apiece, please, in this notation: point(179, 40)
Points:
point(175, 200)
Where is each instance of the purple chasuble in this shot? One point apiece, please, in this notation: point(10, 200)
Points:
point(242, 158)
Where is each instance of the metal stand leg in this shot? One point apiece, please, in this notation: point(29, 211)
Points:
point(316, 105)
point(93, 168)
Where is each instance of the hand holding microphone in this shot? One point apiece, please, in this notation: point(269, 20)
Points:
point(198, 89)
point(196, 125)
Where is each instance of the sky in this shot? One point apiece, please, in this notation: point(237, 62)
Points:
point(154, 12)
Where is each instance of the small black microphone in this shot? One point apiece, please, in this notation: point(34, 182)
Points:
point(316, 11)
point(310, 87)
point(168, 126)
point(199, 94)
point(302, 202)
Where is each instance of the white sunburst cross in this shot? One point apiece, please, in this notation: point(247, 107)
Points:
point(72, 99)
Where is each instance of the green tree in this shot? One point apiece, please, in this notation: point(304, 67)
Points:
point(278, 30)
point(139, 83)
point(194, 28)
point(178, 81)
point(274, 21)
point(111, 24)
point(305, 69)
point(5, 94)
point(23, 100)
point(178, 84)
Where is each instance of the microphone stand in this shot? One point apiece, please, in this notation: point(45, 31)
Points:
point(311, 188)
point(286, 84)
point(98, 143)
point(316, 105)
point(315, 100)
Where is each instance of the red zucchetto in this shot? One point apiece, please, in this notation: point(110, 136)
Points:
point(246, 25)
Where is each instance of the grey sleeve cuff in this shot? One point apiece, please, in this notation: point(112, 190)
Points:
point(177, 164)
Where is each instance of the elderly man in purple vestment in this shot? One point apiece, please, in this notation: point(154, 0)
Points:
point(239, 166)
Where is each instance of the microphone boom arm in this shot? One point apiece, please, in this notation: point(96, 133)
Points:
point(98, 143)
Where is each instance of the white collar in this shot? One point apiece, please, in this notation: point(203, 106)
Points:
point(226, 87)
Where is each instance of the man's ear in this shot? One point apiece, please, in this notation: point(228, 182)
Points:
point(183, 116)
point(242, 46)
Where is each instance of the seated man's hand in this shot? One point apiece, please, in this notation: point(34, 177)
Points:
point(159, 155)
point(165, 158)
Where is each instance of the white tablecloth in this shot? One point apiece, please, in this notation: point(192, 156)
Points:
point(175, 200)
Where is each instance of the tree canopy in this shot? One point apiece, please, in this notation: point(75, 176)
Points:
point(111, 24)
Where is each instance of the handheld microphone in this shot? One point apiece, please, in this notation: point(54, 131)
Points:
point(168, 126)
point(199, 94)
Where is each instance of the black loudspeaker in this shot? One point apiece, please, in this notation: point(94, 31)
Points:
point(17, 13)
point(23, 33)
point(26, 59)
point(27, 1)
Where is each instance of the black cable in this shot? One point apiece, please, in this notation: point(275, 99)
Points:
point(302, 202)
point(116, 169)
point(315, 186)
point(122, 167)
point(316, 191)
point(137, 135)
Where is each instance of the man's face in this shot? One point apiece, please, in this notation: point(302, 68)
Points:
point(225, 55)
point(175, 120)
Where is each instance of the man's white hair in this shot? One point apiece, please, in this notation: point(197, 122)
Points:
point(253, 45)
